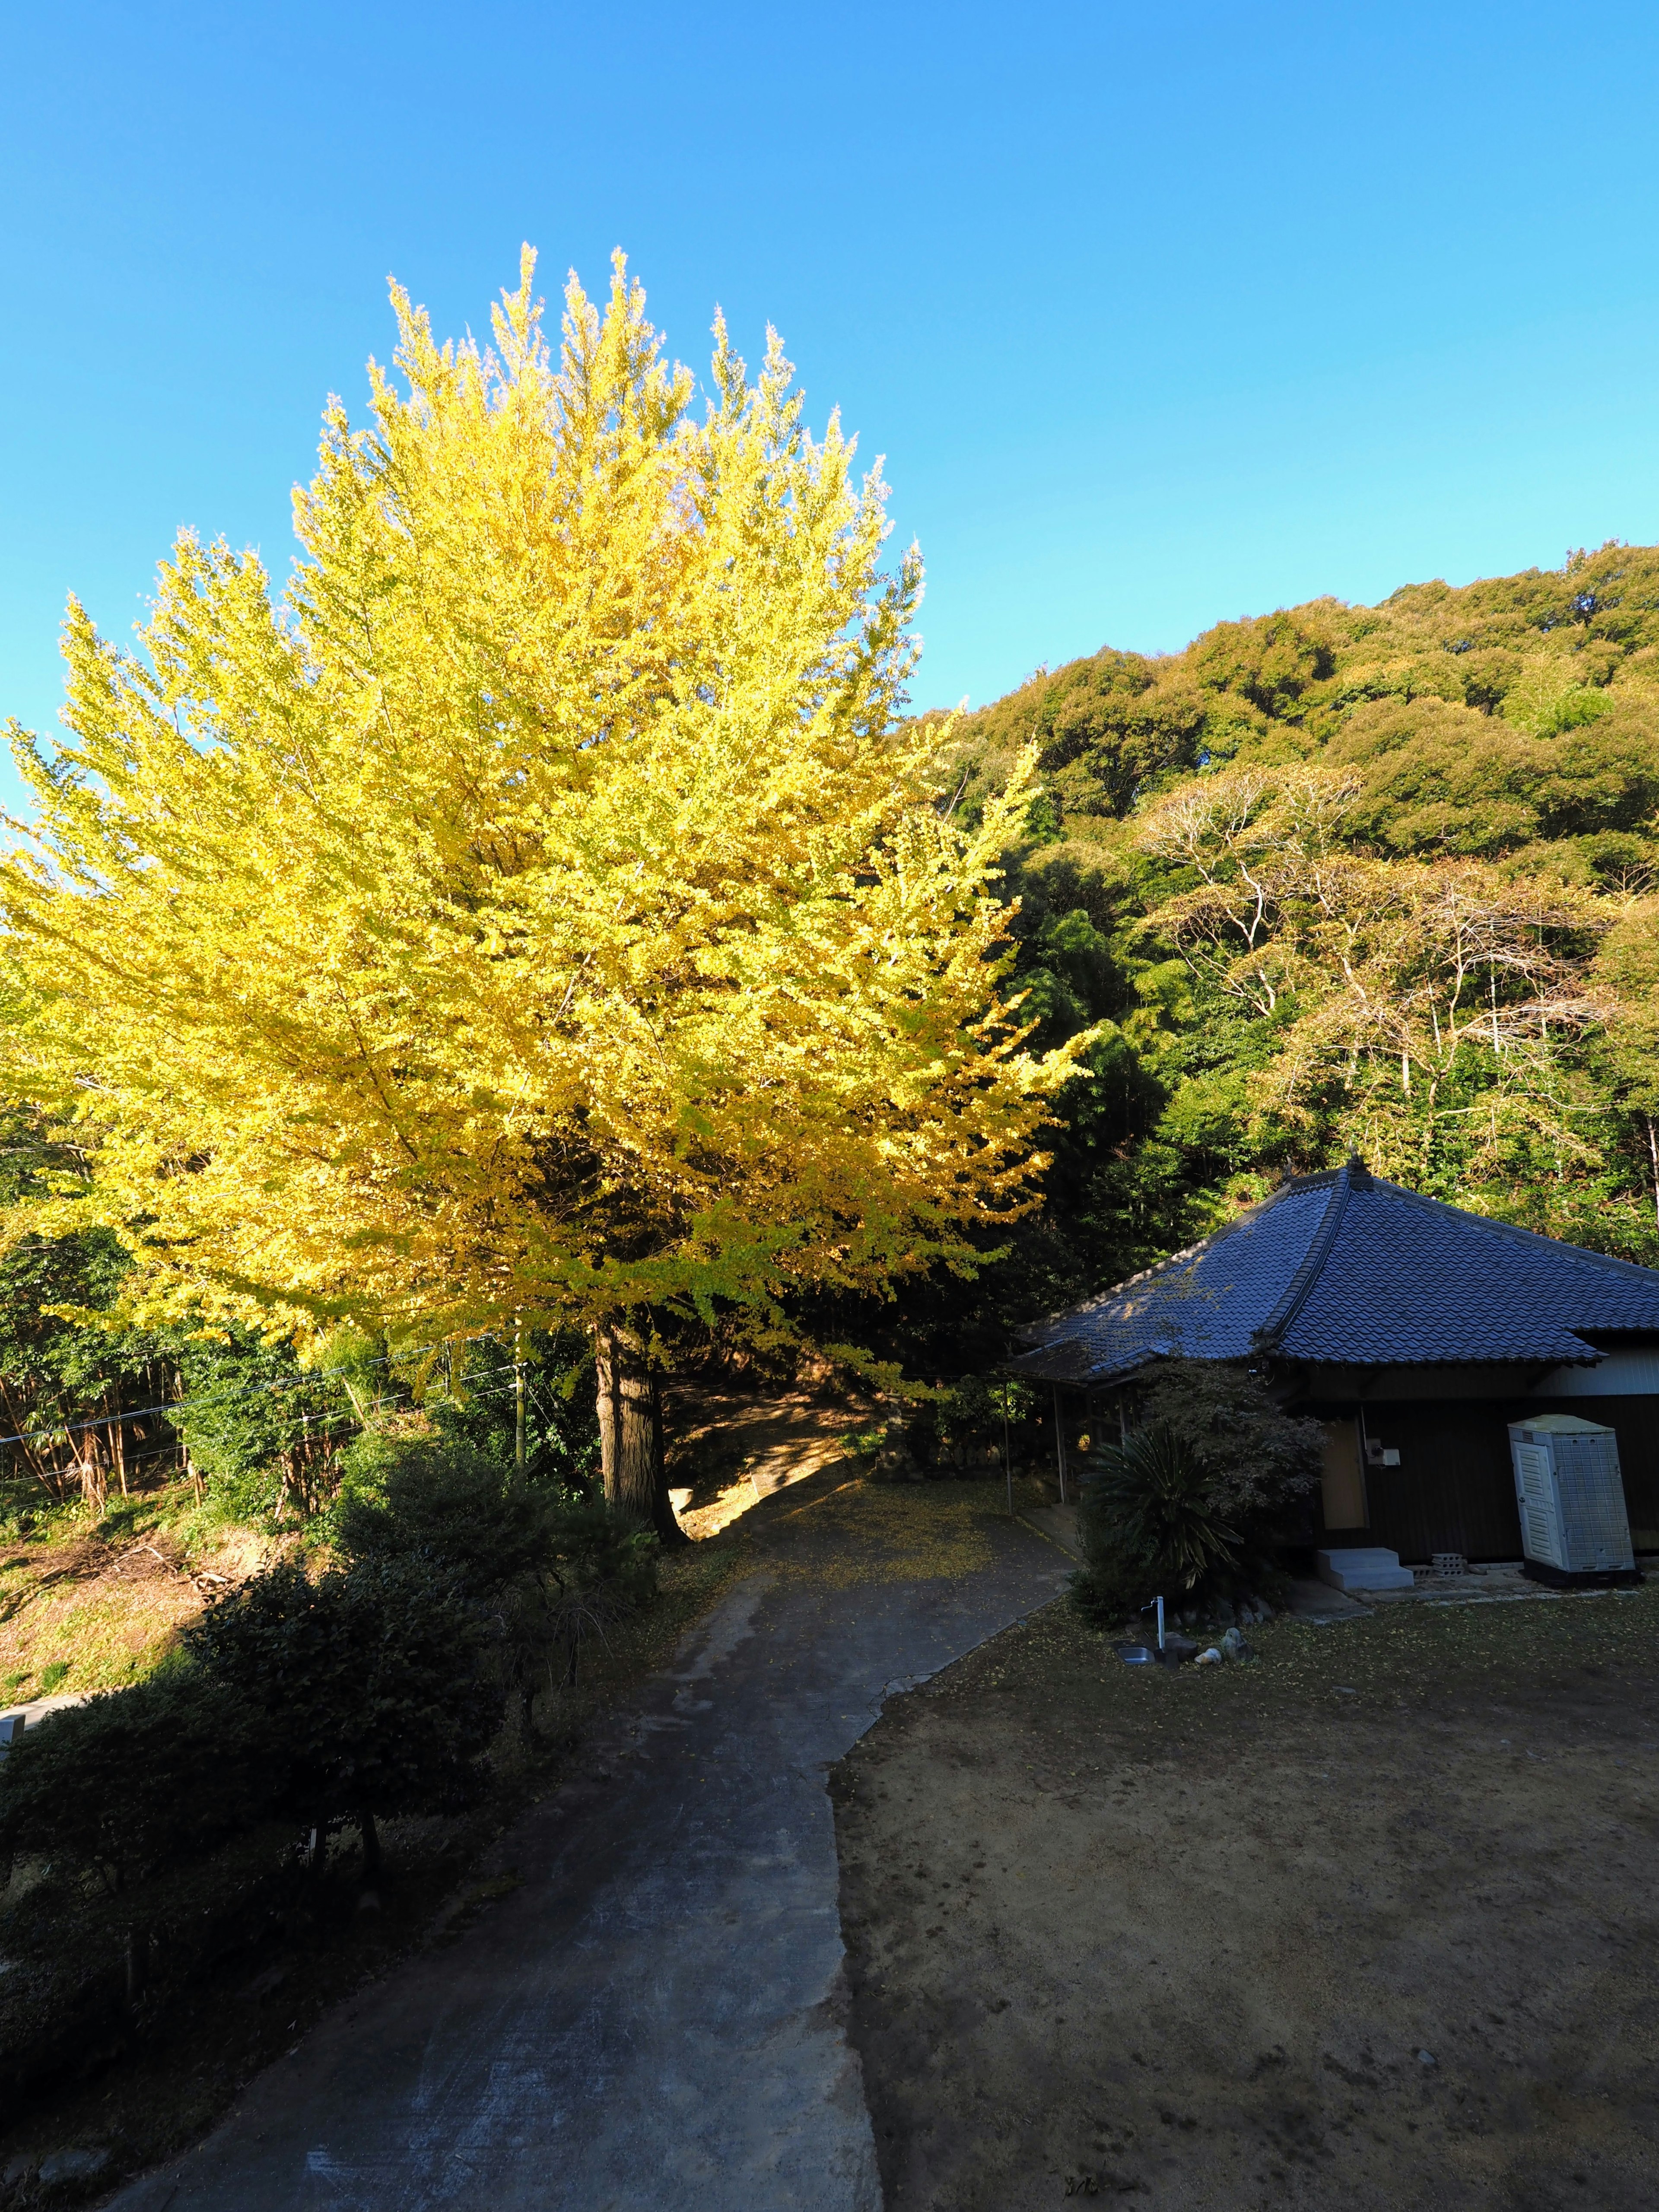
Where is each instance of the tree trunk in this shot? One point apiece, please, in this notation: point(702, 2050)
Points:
point(630, 1433)
point(94, 1488)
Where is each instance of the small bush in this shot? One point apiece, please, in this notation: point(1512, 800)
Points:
point(137, 1778)
point(1190, 1504)
point(446, 1504)
point(1150, 1521)
point(1258, 1460)
point(373, 1687)
point(552, 1569)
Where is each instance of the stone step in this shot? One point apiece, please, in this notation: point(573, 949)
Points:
point(1362, 1569)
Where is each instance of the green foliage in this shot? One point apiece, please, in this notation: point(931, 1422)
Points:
point(1514, 723)
point(1191, 1501)
point(1442, 778)
point(374, 1685)
point(1150, 1518)
point(61, 1369)
point(446, 1505)
point(473, 1399)
point(1255, 1460)
point(551, 1567)
point(122, 1785)
point(263, 1430)
point(461, 1513)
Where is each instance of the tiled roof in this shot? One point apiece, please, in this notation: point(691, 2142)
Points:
point(1348, 1270)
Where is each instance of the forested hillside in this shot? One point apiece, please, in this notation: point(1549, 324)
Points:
point(1336, 877)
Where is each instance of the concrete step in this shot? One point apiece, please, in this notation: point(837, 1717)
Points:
point(1363, 1569)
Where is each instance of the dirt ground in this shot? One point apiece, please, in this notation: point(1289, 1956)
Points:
point(731, 1448)
point(1370, 1923)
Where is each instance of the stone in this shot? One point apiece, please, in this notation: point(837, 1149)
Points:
point(72, 2166)
point(1234, 1646)
point(1210, 1658)
point(15, 2171)
point(1427, 2058)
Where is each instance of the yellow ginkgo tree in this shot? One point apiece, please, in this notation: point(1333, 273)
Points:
point(538, 909)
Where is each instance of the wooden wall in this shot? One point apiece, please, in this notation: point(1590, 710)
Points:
point(1453, 1489)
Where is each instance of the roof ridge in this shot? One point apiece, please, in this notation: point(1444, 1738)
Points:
point(1291, 1186)
point(1300, 1287)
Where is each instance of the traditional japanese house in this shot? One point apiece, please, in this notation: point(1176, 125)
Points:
point(1415, 1331)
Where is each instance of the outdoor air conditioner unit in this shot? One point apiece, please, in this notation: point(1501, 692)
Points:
point(1571, 1499)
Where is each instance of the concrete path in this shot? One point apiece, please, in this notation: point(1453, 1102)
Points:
point(1059, 1524)
point(35, 1710)
point(655, 2016)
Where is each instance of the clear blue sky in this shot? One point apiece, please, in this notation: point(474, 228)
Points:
point(1158, 315)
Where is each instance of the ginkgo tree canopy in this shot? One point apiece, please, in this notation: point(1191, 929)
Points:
point(539, 905)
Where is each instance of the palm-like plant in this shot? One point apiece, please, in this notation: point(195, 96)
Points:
point(1149, 1509)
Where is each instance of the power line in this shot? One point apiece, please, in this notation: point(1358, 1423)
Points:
point(297, 1426)
point(175, 1406)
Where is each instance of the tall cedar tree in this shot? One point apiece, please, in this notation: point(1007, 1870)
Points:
point(534, 911)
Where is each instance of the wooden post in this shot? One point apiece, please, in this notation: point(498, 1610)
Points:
point(1007, 1456)
point(1059, 1444)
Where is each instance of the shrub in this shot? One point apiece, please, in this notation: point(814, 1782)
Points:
point(1151, 1516)
point(446, 1504)
point(137, 1778)
point(553, 1570)
point(1258, 1459)
point(374, 1685)
point(1189, 1504)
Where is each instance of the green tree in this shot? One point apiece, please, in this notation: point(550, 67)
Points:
point(374, 1685)
point(133, 1780)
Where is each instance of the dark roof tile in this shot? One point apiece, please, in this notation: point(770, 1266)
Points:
point(1344, 1269)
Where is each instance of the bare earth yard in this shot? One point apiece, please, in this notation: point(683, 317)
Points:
point(1369, 1924)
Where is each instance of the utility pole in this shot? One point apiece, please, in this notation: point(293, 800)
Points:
point(1007, 1456)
